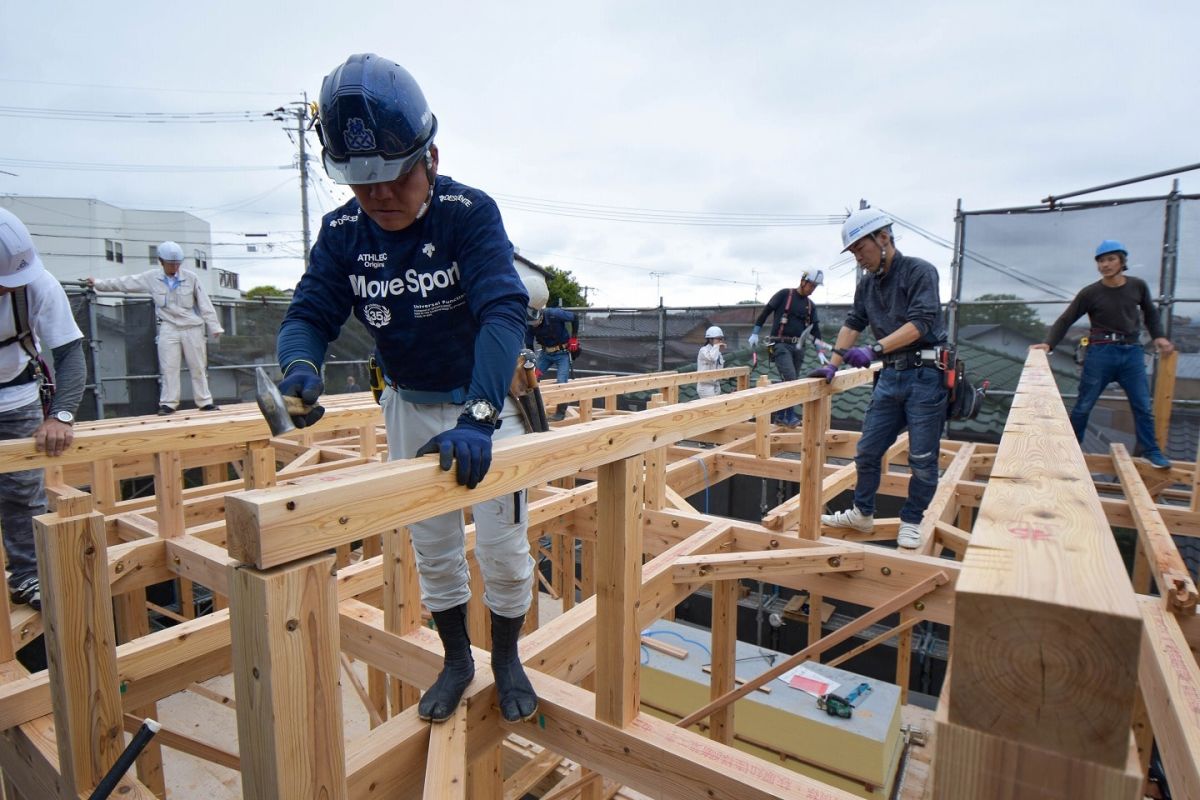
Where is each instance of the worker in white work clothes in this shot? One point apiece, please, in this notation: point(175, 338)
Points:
point(710, 357)
point(183, 314)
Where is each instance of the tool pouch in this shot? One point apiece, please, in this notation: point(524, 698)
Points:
point(966, 399)
point(523, 389)
point(1081, 350)
point(375, 377)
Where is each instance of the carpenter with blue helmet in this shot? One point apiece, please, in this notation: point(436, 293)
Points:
point(795, 321)
point(898, 298)
point(1117, 306)
point(425, 264)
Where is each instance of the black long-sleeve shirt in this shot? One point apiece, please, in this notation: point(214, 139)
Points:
point(907, 292)
point(1110, 308)
point(794, 321)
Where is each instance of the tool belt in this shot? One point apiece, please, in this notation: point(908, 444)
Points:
point(554, 348)
point(911, 359)
point(787, 339)
point(1111, 337)
point(28, 375)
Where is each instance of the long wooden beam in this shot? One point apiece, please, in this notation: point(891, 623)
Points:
point(1170, 684)
point(767, 565)
point(267, 527)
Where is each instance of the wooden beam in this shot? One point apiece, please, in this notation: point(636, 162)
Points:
point(724, 657)
point(1164, 395)
point(284, 630)
point(1170, 684)
point(446, 768)
point(1046, 627)
point(1170, 574)
point(942, 507)
point(812, 463)
point(767, 565)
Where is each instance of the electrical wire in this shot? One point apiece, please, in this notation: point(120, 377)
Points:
point(82, 166)
point(641, 269)
point(152, 117)
point(662, 216)
point(681, 637)
point(144, 88)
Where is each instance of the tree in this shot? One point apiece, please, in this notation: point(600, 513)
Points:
point(563, 286)
point(264, 291)
point(1014, 316)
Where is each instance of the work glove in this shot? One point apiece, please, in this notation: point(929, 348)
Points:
point(752, 340)
point(303, 381)
point(572, 345)
point(822, 351)
point(826, 371)
point(470, 444)
point(857, 357)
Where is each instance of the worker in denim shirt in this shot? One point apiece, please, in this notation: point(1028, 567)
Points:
point(899, 299)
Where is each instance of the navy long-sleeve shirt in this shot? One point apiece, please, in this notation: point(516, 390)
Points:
point(907, 292)
point(794, 321)
point(441, 297)
point(558, 325)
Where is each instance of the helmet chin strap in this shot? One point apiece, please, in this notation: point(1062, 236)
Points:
point(431, 176)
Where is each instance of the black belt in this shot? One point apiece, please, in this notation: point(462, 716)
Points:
point(28, 375)
point(786, 339)
point(1113, 337)
point(910, 359)
point(554, 348)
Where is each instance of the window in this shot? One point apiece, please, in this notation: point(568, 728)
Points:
point(227, 280)
point(108, 250)
point(119, 252)
point(201, 259)
point(154, 255)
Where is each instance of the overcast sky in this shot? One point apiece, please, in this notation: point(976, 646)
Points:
point(571, 115)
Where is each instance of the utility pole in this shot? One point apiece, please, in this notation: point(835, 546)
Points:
point(658, 284)
point(301, 120)
point(757, 284)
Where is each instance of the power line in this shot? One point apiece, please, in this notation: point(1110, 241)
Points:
point(647, 270)
point(82, 166)
point(155, 117)
point(658, 216)
point(144, 88)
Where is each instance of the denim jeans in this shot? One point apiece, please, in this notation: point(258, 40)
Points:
point(22, 495)
point(912, 398)
point(560, 360)
point(1125, 364)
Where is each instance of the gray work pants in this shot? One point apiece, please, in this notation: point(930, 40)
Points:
point(501, 527)
point(22, 496)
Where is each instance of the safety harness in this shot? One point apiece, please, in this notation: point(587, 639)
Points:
point(36, 369)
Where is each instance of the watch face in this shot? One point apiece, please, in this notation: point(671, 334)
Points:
point(481, 411)
point(64, 416)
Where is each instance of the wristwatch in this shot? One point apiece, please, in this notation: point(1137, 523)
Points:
point(481, 411)
point(65, 417)
point(877, 349)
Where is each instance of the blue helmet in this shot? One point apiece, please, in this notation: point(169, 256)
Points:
point(1111, 246)
point(373, 121)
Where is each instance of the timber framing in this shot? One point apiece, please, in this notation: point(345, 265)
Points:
point(1058, 658)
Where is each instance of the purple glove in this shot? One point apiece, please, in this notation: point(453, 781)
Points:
point(827, 372)
point(858, 357)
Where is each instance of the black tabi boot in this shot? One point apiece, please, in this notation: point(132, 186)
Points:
point(439, 703)
point(517, 700)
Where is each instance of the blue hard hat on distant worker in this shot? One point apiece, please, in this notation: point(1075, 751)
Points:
point(1111, 246)
point(373, 121)
point(861, 223)
point(816, 276)
point(169, 251)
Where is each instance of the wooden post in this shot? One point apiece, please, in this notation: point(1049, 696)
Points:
point(656, 469)
point(368, 444)
point(105, 486)
point(762, 426)
point(401, 601)
point(284, 629)
point(904, 657)
point(1164, 395)
point(80, 648)
point(259, 470)
point(485, 775)
point(619, 581)
point(724, 657)
point(812, 466)
point(446, 767)
point(215, 473)
point(585, 410)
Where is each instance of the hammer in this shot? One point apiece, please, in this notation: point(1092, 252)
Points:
point(276, 408)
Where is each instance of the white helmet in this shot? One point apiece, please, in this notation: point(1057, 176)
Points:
point(714, 332)
point(170, 251)
point(816, 276)
point(19, 261)
point(862, 223)
point(539, 295)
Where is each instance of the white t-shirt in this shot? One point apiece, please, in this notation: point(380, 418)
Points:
point(53, 326)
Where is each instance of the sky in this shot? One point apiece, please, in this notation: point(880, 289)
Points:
point(760, 126)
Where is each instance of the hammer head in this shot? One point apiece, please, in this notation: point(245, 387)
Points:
point(271, 404)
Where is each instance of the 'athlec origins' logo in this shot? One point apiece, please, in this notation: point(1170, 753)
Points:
point(377, 315)
point(358, 135)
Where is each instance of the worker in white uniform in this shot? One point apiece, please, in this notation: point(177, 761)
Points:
point(183, 314)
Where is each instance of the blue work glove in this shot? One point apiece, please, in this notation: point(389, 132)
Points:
point(858, 357)
point(827, 372)
point(302, 381)
point(470, 444)
point(752, 340)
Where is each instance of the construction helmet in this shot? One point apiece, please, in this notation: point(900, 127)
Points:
point(373, 121)
point(19, 261)
point(169, 251)
point(1111, 246)
point(714, 332)
point(816, 276)
point(863, 222)
point(539, 295)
